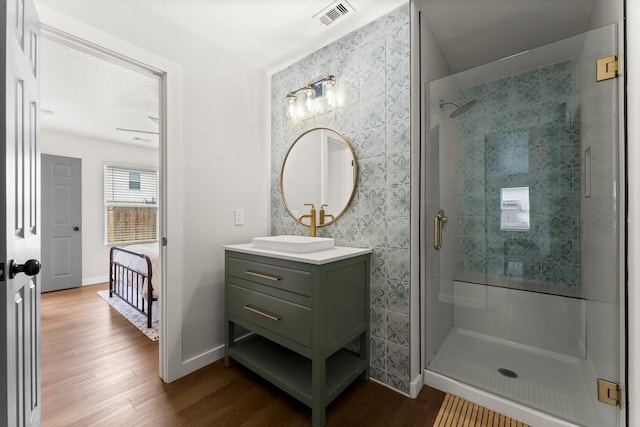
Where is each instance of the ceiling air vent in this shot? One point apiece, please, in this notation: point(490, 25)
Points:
point(333, 12)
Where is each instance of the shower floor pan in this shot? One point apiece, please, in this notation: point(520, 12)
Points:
point(550, 382)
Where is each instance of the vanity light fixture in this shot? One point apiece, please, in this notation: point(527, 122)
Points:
point(312, 98)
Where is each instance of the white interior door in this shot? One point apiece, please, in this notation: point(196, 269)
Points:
point(61, 225)
point(19, 216)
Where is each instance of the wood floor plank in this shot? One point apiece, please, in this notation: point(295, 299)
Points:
point(99, 370)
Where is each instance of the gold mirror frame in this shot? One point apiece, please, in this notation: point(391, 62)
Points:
point(305, 182)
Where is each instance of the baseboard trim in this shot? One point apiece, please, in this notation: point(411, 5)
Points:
point(416, 386)
point(388, 386)
point(94, 280)
point(202, 360)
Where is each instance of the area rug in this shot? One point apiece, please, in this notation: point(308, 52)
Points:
point(456, 411)
point(132, 315)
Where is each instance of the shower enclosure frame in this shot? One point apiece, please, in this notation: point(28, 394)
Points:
point(488, 399)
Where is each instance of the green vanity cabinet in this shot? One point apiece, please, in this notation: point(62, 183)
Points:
point(303, 311)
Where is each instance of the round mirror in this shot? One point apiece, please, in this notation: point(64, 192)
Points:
point(321, 169)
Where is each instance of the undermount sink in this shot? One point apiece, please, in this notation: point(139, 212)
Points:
point(294, 244)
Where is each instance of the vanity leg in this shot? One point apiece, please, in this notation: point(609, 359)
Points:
point(318, 392)
point(318, 417)
point(228, 361)
point(365, 345)
point(230, 334)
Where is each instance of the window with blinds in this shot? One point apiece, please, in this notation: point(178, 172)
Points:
point(131, 204)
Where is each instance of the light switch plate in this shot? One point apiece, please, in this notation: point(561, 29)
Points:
point(239, 216)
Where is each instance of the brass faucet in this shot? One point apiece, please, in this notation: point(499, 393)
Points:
point(312, 217)
point(324, 216)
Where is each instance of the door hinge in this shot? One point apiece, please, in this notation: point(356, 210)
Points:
point(164, 241)
point(609, 393)
point(1, 271)
point(608, 68)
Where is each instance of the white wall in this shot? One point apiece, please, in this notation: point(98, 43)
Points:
point(217, 159)
point(94, 154)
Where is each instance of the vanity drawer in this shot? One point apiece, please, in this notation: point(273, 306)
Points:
point(277, 276)
point(284, 318)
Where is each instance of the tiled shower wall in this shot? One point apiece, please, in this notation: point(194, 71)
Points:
point(371, 65)
point(524, 132)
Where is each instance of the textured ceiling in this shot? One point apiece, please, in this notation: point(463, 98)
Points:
point(91, 96)
point(272, 34)
point(268, 34)
point(87, 95)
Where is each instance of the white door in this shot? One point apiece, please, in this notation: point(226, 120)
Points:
point(61, 223)
point(19, 217)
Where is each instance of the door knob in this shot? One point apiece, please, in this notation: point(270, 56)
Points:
point(30, 268)
point(76, 228)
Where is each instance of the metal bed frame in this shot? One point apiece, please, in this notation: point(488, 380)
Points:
point(128, 284)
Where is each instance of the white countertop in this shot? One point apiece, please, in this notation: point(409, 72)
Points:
point(318, 258)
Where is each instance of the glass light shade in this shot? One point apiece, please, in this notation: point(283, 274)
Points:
point(314, 98)
point(310, 97)
point(301, 109)
point(291, 105)
point(330, 95)
point(329, 81)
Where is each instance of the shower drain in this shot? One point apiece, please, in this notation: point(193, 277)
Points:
point(507, 373)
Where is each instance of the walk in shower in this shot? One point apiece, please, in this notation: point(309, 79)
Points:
point(522, 253)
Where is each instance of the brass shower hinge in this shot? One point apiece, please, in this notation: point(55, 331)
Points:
point(609, 393)
point(608, 68)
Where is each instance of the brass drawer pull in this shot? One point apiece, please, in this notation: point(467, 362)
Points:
point(262, 276)
point(261, 313)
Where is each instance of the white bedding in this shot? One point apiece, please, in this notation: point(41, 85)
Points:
point(140, 264)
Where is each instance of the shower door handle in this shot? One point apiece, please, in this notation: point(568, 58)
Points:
point(438, 223)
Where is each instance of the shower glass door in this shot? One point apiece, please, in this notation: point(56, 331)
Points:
point(523, 242)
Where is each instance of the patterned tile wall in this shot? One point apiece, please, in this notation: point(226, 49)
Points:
point(524, 132)
point(372, 67)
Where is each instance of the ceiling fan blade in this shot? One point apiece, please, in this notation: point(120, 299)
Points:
point(138, 131)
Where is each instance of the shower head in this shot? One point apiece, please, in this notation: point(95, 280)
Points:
point(461, 108)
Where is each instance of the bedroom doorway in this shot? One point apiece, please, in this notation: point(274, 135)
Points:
point(105, 110)
point(108, 110)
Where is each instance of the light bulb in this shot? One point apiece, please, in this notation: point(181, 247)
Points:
point(330, 80)
point(329, 90)
point(308, 90)
point(300, 109)
point(310, 97)
point(330, 94)
point(291, 105)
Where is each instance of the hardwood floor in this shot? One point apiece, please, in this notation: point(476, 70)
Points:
point(98, 369)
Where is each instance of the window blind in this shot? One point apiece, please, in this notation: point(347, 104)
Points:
point(124, 186)
point(131, 204)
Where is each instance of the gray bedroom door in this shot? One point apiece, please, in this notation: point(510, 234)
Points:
point(20, 218)
point(61, 222)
